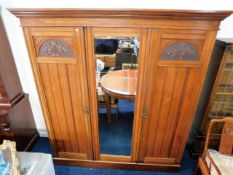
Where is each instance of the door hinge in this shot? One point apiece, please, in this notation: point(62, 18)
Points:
point(145, 112)
point(86, 110)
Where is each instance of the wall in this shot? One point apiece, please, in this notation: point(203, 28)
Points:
point(18, 46)
point(17, 42)
point(226, 29)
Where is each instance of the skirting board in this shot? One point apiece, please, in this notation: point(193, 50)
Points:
point(43, 132)
point(116, 165)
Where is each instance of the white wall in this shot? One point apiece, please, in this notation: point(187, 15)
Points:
point(18, 46)
point(226, 30)
point(151, 4)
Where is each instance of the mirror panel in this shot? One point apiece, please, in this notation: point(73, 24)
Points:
point(116, 82)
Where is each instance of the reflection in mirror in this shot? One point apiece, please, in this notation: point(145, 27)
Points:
point(116, 80)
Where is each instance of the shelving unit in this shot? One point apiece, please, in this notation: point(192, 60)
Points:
point(216, 98)
point(221, 104)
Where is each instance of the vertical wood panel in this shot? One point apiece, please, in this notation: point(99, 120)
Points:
point(62, 69)
point(58, 100)
point(165, 109)
point(170, 98)
point(82, 73)
point(74, 83)
point(141, 122)
point(51, 106)
point(156, 87)
point(140, 99)
point(173, 114)
point(185, 109)
point(91, 74)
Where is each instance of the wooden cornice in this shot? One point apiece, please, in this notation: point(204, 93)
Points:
point(120, 13)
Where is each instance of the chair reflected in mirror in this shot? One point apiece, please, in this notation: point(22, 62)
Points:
point(101, 97)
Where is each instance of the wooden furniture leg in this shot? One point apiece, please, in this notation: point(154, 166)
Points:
point(117, 109)
point(109, 108)
point(197, 168)
point(202, 166)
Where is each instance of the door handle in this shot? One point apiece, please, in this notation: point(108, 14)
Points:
point(86, 110)
point(145, 113)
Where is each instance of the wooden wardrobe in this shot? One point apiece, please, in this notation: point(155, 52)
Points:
point(175, 50)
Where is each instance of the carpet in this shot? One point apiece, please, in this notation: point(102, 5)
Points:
point(187, 165)
point(115, 138)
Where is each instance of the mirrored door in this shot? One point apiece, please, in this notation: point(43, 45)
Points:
point(116, 57)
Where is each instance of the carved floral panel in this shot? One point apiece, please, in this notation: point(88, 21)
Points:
point(55, 48)
point(179, 50)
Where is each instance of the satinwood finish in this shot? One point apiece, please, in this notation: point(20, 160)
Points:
point(172, 94)
point(64, 88)
point(174, 53)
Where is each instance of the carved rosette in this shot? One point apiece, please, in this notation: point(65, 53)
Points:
point(179, 51)
point(55, 48)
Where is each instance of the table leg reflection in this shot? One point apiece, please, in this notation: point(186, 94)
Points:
point(109, 118)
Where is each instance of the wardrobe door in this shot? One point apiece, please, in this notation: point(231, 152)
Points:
point(176, 70)
point(57, 56)
point(115, 89)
